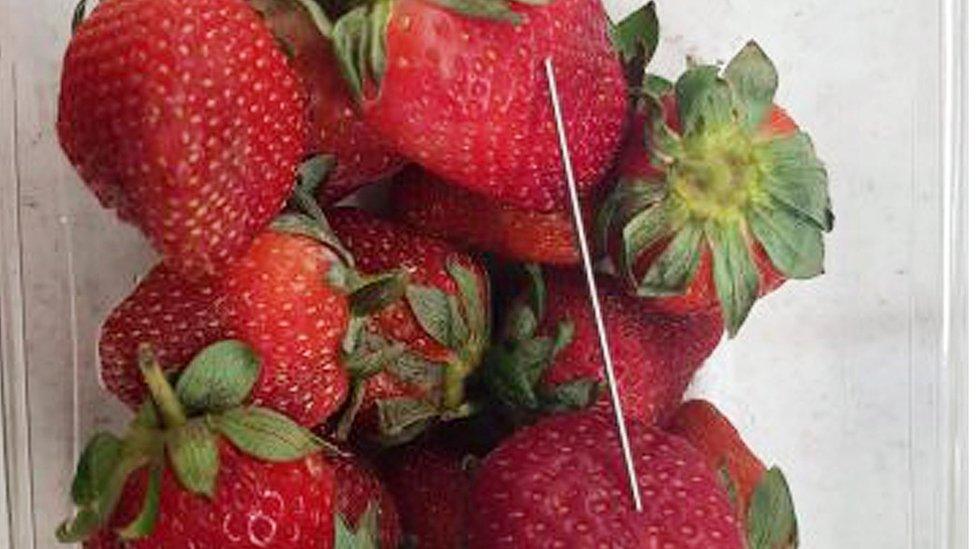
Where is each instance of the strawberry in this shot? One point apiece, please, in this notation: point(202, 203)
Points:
point(430, 487)
point(412, 357)
point(184, 117)
point(337, 129)
point(425, 202)
point(761, 496)
point(278, 298)
point(198, 468)
point(459, 87)
point(561, 483)
point(722, 197)
point(551, 358)
point(361, 496)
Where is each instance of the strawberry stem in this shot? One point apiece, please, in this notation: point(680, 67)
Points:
point(160, 389)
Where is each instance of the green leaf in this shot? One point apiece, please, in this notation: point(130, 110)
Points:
point(95, 466)
point(194, 456)
point(508, 381)
point(521, 323)
point(359, 41)
point(417, 371)
point(377, 292)
point(643, 231)
point(571, 396)
point(266, 434)
point(795, 246)
point(366, 534)
point(469, 289)
point(656, 87)
point(704, 100)
point(219, 377)
point(299, 224)
point(432, 308)
point(725, 478)
point(397, 415)
point(145, 522)
point(355, 331)
point(734, 272)
point(795, 177)
point(492, 10)
point(772, 519)
point(565, 331)
point(78, 16)
point(754, 80)
point(318, 16)
point(313, 171)
point(636, 39)
point(365, 362)
point(672, 272)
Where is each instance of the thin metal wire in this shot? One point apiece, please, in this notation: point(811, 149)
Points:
point(591, 285)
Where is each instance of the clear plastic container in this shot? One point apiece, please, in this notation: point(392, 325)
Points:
point(852, 382)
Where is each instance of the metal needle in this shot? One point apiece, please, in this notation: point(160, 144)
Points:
point(591, 284)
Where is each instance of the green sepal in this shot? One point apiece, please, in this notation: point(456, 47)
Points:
point(357, 394)
point(375, 293)
point(366, 534)
point(672, 272)
point(797, 179)
point(536, 288)
point(645, 229)
point(636, 39)
point(731, 490)
point(795, 246)
point(310, 220)
point(219, 377)
point(772, 519)
point(402, 417)
point(656, 87)
point(365, 362)
point(492, 10)
point(266, 434)
point(314, 171)
point(95, 465)
point(147, 417)
point(319, 230)
point(78, 15)
point(359, 41)
point(469, 289)
point(565, 331)
point(194, 456)
point(521, 324)
point(734, 272)
point(704, 100)
point(145, 522)
point(754, 81)
point(432, 308)
point(417, 371)
point(570, 396)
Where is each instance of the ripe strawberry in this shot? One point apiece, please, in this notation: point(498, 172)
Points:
point(561, 483)
point(551, 358)
point(460, 88)
point(278, 298)
point(361, 496)
point(337, 128)
point(412, 357)
point(430, 487)
point(197, 468)
point(724, 197)
point(761, 496)
point(425, 202)
point(184, 117)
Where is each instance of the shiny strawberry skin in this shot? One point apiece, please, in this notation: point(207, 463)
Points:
point(561, 483)
point(184, 117)
point(275, 298)
point(278, 298)
point(256, 504)
point(431, 491)
point(467, 98)
point(704, 426)
point(336, 127)
point(427, 203)
point(357, 488)
point(654, 356)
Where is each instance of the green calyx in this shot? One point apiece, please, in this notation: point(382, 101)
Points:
point(771, 520)
point(636, 39)
point(725, 184)
point(364, 534)
point(515, 367)
point(459, 322)
point(180, 427)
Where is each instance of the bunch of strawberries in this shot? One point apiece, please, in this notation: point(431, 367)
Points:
point(425, 372)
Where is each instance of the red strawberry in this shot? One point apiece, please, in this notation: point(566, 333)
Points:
point(184, 117)
point(461, 90)
point(423, 201)
point(337, 127)
point(360, 494)
point(729, 199)
point(278, 298)
point(561, 483)
point(761, 497)
point(431, 489)
point(415, 353)
point(552, 358)
point(225, 475)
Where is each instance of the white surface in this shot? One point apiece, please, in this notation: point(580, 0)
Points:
point(833, 379)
